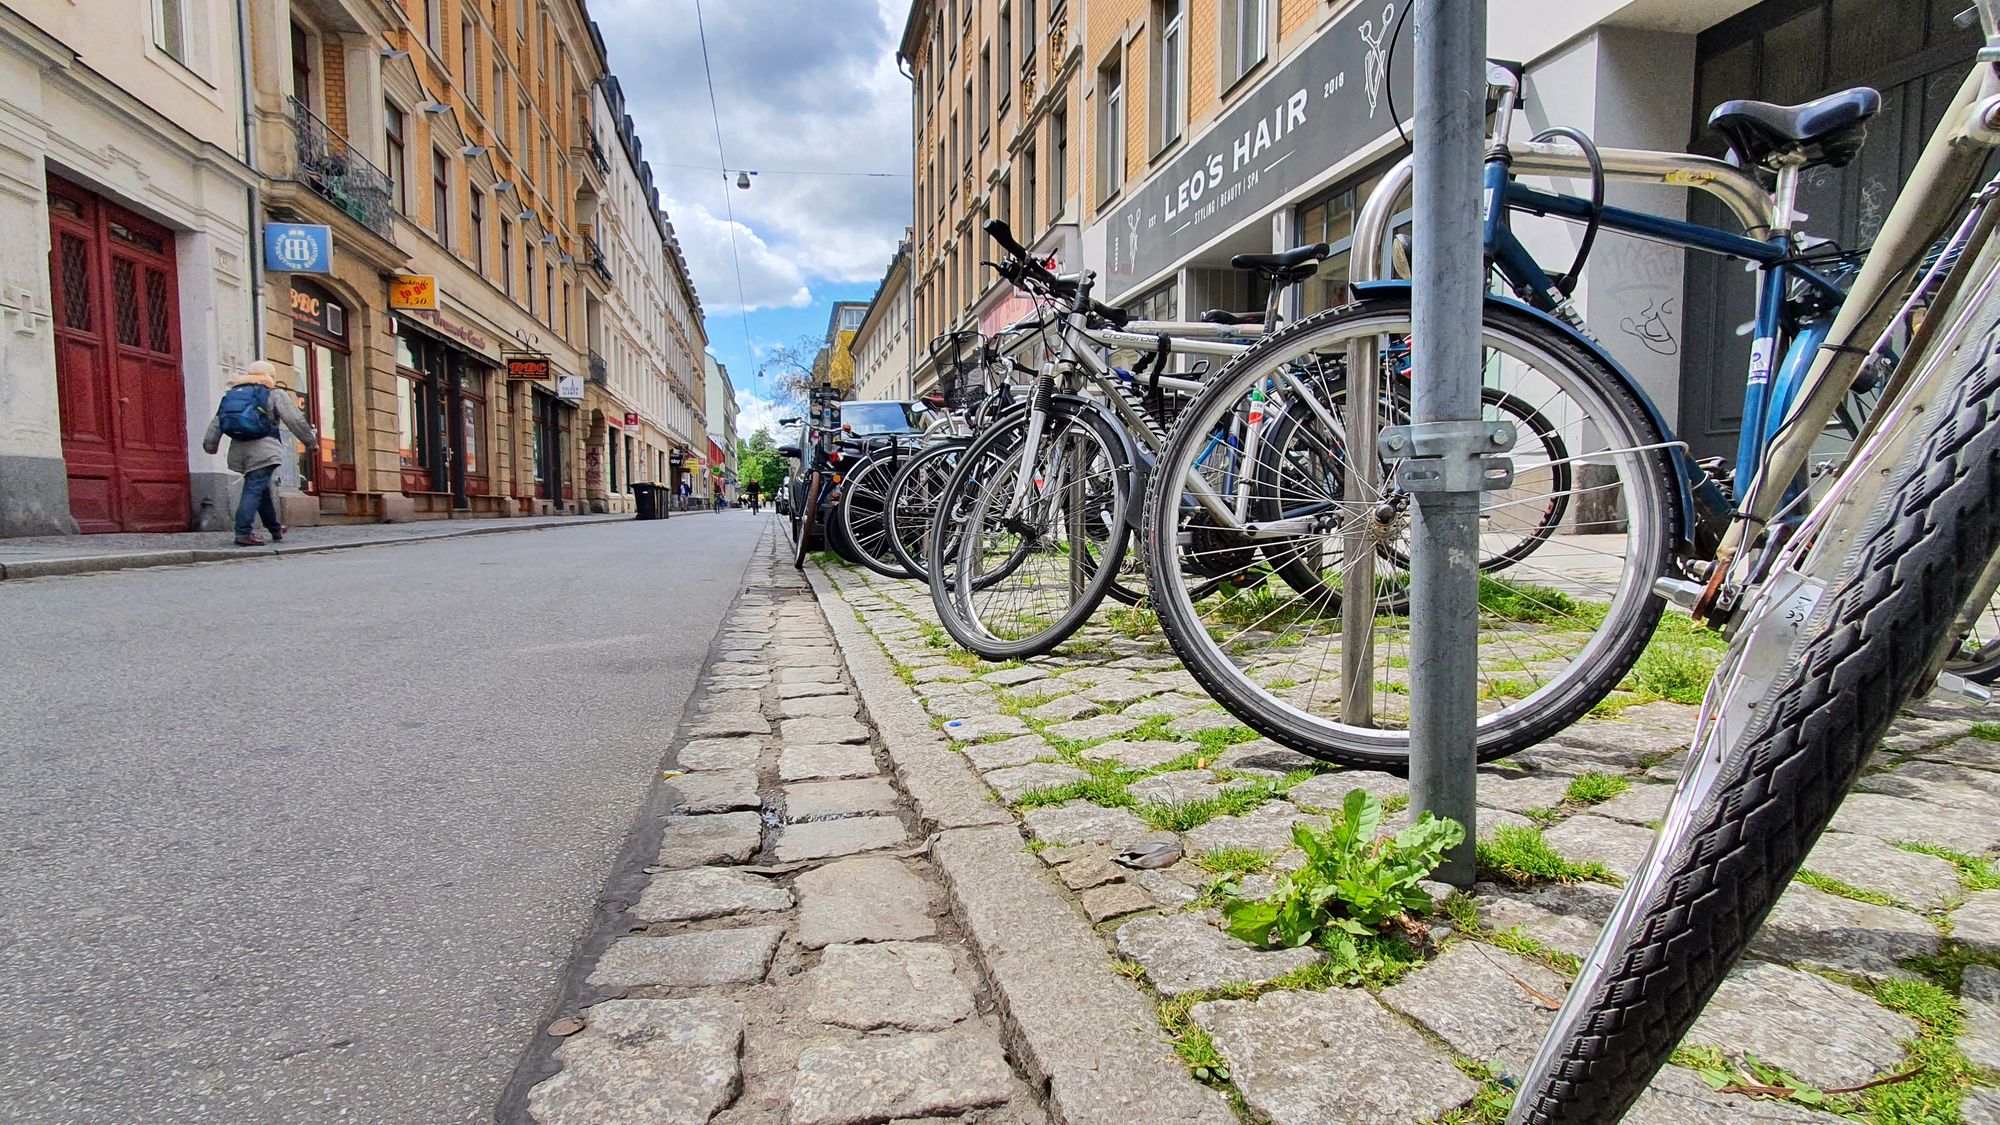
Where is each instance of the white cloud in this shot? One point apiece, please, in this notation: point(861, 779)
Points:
point(754, 412)
point(798, 86)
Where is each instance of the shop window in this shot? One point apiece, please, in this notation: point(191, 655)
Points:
point(473, 409)
point(1168, 101)
point(414, 406)
point(1330, 219)
point(1244, 37)
point(1111, 127)
point(611, 455)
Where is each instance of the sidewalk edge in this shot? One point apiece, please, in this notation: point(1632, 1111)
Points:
point(1087, 1034)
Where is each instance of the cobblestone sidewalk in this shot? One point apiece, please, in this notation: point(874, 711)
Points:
point(790, 958)
point(1882, 961)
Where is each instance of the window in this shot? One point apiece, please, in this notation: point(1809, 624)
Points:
point(1005, 42)
point(1243, 34)
point(549, 293)
point(1028, 43)
point(302, 68)
point(528, 259)
point(468, 60)
point(506, 256)
point(498, 92)
point(174, 29)
point(475, 214)
point(1110, 127)
point(1028, 227)
point(565, 310)
point(949, 163)
point(392, 125)
point(441, 195)
point(965, 152)
point(985, 93)
point(434, 24)
point(1058, 164)
point(1003, 201)
point(611, 455)
point(1169, 94)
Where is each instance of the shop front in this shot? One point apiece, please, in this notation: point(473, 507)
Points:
point(445, 426)
point(322, 360)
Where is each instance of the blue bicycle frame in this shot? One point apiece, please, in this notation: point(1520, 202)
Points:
point(1778, 327)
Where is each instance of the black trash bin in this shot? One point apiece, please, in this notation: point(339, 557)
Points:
point(651, 499)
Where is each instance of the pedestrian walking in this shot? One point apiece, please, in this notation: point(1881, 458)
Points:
point(250, 415)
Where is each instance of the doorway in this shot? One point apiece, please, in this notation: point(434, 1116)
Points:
point(118, 364)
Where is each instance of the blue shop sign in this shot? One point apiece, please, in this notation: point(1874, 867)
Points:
point(298, 247)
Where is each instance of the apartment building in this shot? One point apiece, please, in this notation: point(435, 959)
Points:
point(642, 320)
point(127, 279)
point(881, 345)
point(996, 113)
point(1192, 130)
point(721, 437)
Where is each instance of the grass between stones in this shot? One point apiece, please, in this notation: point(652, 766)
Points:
point(1988, 731)
point(1463, 912)
point(1490, 1105)
point(1943, 1074)
point(1593, 788)
point(1520, 856)
point(1833, 886)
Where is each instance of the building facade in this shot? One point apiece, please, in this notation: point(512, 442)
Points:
point(127, 282)
point(642, 320)
point(1193, 130)
point(881, 343)
point(722, 452)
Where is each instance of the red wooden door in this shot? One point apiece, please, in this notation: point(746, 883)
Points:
point(118, 365)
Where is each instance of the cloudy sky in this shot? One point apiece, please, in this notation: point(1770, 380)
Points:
point(800, 85)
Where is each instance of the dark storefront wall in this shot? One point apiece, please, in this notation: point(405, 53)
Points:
point(443, 420)
point(1790, 51)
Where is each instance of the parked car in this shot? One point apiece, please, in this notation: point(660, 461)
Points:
point(782, 498)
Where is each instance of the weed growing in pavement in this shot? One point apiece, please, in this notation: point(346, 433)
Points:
point(1988, 731)
point(1132, 623)
point(1097, 789)
point(1232, 863)
point(1543, 817)
point(1974, 874)
point(1518, 855)
point(1180, 816)
point(1352, 886)
point(1593, 788)
point(1942, 1073)
point(1490, 1105)
point(1528, 602)
point(1667, 670)
point(934, 634)
point(1515, 941)
point(1204, 1060)
point(1833, 886)
point(1759, 1079)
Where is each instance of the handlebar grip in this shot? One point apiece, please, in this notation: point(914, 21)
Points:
point(1118, 318)
point(1000, 232)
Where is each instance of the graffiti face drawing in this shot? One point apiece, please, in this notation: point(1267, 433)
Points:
point(1652, 329)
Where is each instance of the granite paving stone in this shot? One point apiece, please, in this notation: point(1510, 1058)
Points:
point(909, 986)
point(1081, 822)
point(691, 960)
point(720, 754)
point(1015, 781)
point(1266, 828)
point(1921, 881)
point(1941, 782)
point(1643, 804)
point(1979, 1038)
point(869, 898)
point(1564, 917)
point(1139, 755)
point(1114, 900)
point(826, 760)
point(709, 791)
point(728, 702)
point(1331, 1058)
point(1188, 953)
point(826, 706)
point(1199, 721)
point(1015, 677)
point(823, 839)
point(976, 727)
point(1584, 839)
point(695, 893)
point(820, 675)
point(1487, 1003)
point(1825, 1033)
point(1116, 692)
point(823, 800)
point(1330, 790)
point(697, 841)
point(810, 690)
point(1017, 751)
point(722, 726)
point(1063, 708)
point(1093, 868)
point(1171, 704)
point(1678, 1096)
point(1976, 753)
point(1177, 787)
point(1519, 794)
point(1094, 728)
point(899, 1077)
point(1981, 1106)
point(1261, 755)
point(1811, 927)
point(1976, 923)
point(800, 732)
point(941, 673)
point(648, 1062)
point(1899, 819)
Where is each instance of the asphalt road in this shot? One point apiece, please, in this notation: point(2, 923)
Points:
point(312, 838)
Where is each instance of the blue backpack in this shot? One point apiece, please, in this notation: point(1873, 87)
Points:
point(246, 413)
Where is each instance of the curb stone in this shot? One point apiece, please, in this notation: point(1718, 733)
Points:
point(1090, 1037)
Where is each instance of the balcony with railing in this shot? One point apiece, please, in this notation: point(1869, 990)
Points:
point(600, 372)
point(593, 256)
point(342, 176)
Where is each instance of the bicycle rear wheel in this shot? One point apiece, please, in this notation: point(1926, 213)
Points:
point(1855, 615)
point(864, 509)
point(912, 503)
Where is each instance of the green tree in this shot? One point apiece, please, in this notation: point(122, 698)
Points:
point(758, 459)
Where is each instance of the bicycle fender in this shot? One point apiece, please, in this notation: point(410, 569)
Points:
point(1138, 461)
point(1693, 511)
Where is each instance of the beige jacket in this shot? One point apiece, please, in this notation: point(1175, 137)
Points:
point(258, 453)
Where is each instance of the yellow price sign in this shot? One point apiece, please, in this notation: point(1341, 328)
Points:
point(413, 291)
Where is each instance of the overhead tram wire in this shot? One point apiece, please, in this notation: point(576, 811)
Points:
point(783, 171)
point(729, 206)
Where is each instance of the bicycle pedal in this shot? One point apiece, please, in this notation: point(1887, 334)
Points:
point(1953, 686)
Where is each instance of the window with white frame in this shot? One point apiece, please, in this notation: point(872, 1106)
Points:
point(1004, 43)
point(1111, 126)
point(1168, 99)
point(177, 31)
point(1244, 33)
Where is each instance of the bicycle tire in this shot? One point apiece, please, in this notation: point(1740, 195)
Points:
point(912, 503)
point(1754, 808)
point(1568, 693)
point(863, 512)
point(802, 523)
point(953, 584)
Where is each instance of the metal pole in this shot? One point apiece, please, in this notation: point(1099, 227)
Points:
point(1444, 622)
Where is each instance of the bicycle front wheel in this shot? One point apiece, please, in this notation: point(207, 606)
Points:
point(913, 500)
point(864, 509)
point(1558, 631)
